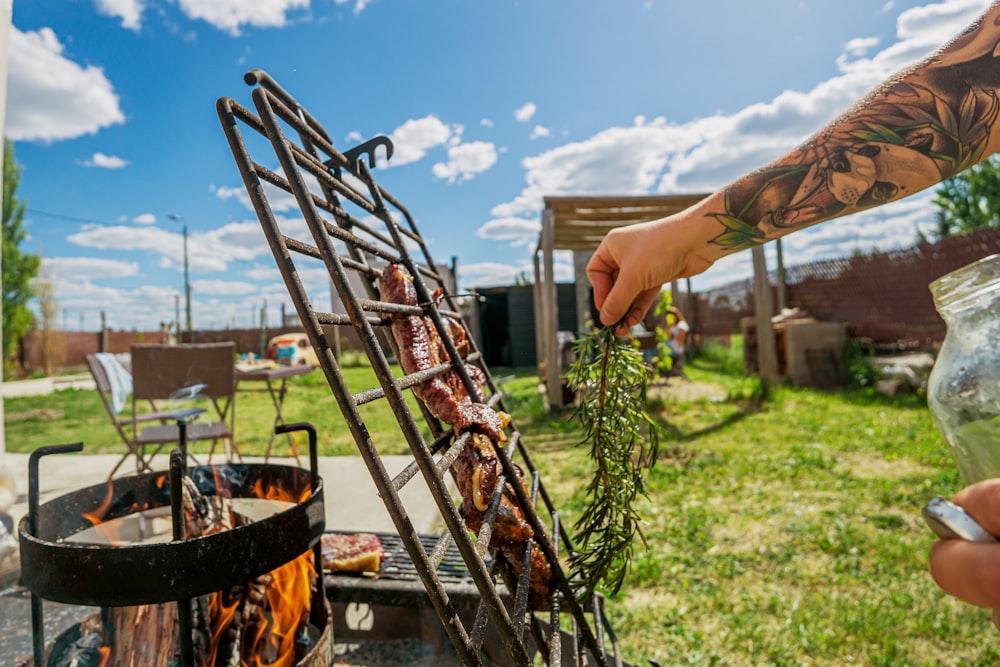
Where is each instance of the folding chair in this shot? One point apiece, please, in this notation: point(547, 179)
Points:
point(114, 385)
point(191, 372)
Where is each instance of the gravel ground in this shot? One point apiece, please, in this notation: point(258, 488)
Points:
point(15, 623)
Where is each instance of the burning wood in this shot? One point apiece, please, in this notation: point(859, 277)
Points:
point(254, 625)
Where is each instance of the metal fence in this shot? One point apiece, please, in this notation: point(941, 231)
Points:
point(881, 297)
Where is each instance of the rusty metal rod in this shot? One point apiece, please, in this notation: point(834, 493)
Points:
point(523, 585)
point(404, 527)
point(489, 519)
point(37, 622)
point(272, 103)
point(178, 468)
point(439, 551)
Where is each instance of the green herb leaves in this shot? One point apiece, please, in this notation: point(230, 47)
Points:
point(611, 378)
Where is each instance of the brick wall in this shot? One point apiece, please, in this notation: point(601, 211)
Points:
point(72, 347)
point(882, 297)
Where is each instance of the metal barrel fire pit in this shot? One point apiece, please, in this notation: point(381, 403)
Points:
point(353, 230)
point(105, 569)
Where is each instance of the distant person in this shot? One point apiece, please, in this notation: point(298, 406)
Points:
point(679, 329)
point(925, 124)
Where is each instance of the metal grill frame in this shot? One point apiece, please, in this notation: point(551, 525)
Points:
point(343, 180)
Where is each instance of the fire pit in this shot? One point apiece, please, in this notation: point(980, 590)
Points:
point(233, 578)
point(365, 242)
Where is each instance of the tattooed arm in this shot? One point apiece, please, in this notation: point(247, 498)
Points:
point(916, 129)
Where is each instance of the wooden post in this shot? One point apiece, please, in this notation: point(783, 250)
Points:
point(767, 353)
point(782, 291)
point(536, 303)
point(691, 313)
point(551, 314)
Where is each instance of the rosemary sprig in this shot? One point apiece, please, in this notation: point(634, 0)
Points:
point(611, 377)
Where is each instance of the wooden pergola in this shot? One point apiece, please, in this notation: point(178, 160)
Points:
point(579, 224)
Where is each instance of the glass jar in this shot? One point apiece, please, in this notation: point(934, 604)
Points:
point(963, 391)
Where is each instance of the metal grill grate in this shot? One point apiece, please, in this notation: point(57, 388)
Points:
point(349, 229)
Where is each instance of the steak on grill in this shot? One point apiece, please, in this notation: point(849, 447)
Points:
point(477, 467)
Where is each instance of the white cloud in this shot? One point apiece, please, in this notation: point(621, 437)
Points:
point(77, 269)
point(106, 161)
point(486, 122)
point(618, 160)
point(145, 219)
point(231, 15)
point(518, 231)
point(278, 199)
point(493, 274)
point(539, 131)
point(142, 307)
point(705, 154)
point(129, 11)
point(359, 5)
point(225, 287)
point(261, 272)
point(413, 139)
point(116, 237)
point(861, 45)
point(50, 97)
point(524, 113)
point(209, 251)
point(466, 161)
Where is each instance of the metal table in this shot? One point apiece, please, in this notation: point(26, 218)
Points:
point(272, 377)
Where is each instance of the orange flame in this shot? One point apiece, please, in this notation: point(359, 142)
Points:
point(287, 599)
point(97, 516)
point(278, 492)
point(272, 641)
point(108, 529)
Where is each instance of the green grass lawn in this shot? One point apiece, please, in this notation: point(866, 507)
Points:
point(74, 415)
point(780, 532)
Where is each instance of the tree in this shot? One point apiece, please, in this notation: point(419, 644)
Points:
point(53, 340)
point(969, 200)
point(18, 269)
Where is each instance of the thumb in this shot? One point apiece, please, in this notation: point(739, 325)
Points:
point(616, 305)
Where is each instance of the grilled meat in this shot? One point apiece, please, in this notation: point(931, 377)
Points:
point(421, 348)
point(477, 468)
point(476, 472)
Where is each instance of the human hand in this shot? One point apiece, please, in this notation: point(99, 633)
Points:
point(971, 570)
point(632, 264)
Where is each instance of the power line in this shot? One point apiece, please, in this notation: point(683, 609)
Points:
point(67, 218)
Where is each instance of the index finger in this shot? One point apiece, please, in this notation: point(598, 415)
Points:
point(602, 278)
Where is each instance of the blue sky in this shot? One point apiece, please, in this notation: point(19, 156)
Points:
point(491, 106)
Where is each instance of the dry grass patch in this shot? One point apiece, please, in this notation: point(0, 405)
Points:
point(876, 465)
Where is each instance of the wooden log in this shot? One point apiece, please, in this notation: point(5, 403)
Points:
point(143, 635)
point(229, 628)
point(149, 635)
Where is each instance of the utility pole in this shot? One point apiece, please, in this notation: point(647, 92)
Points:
point(187, 275)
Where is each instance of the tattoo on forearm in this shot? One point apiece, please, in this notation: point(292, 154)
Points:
point(914, 131)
